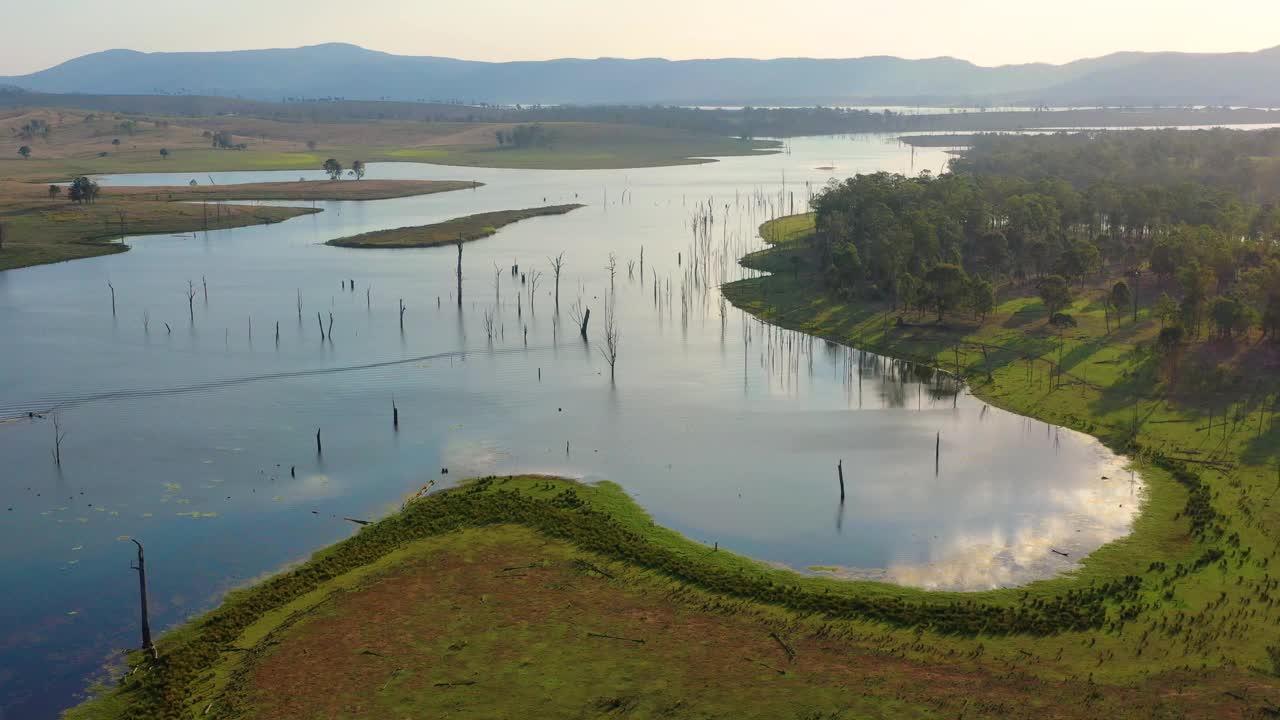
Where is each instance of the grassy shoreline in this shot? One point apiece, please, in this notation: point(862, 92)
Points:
point(211, 665)
point(1168, 621)
point(1204, 479)
point(41, 229)
point(449, 232)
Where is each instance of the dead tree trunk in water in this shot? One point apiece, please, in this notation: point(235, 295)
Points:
point(586, 318)
point(321, 324)
point(58, 435)
point(937, 454)
point(557, 264)
point(395, 415)
point(610, 349)
point(840, 471)
point(113, 298)
point(459, 269)
point(141, 567)
point(319, 448)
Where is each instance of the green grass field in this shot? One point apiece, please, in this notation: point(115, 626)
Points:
point(466, 229)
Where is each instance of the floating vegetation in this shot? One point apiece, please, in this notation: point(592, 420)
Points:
point(197, 514)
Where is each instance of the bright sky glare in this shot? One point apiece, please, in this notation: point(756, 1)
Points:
point(987, 32)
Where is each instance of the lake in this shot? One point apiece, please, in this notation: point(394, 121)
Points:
point(199, 438)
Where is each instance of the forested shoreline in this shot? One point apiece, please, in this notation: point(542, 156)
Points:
point(1188, 211)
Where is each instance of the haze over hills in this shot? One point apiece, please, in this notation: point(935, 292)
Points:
point(349, 71)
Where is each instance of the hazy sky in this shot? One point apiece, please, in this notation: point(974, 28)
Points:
point(988, 32)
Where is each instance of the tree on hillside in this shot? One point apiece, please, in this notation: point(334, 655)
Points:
point(982, 298)
point(54, 191)
point(1055, 293)
point(311, 144)
point(1230, 316)
point(334, 168)
point(1120, 297)
point(845, 269)
point(83, 190)
point(1079, 260)
point(32, 128)
point(357, 169)
point(993, 251)
point(1167, 310)
point(524, 136)
point(1271, 317)
point(25, 151)
point(116, 142)
point(164, 153)
point(945, 286)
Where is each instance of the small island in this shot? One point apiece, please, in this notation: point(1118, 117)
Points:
point(466, 229)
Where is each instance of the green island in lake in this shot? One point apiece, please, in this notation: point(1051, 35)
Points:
point(449, 232)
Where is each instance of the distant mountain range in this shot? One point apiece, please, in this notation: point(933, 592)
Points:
point(347, 71)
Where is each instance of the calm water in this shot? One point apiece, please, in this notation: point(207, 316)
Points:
point(723, 428)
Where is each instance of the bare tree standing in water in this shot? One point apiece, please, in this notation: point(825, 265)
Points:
point(557, 264)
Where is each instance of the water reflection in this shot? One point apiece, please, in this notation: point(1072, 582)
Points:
point(200, 440)
point(991, 557)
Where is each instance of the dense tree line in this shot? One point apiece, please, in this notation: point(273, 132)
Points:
point(524, 136)
point(1241, 161)
point(1060, 211)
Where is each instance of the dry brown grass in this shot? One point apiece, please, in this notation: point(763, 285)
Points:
point(80, 143)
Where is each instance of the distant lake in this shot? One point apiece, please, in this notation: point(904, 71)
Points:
point(200, 439)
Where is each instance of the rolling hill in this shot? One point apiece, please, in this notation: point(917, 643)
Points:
point(347, 71)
